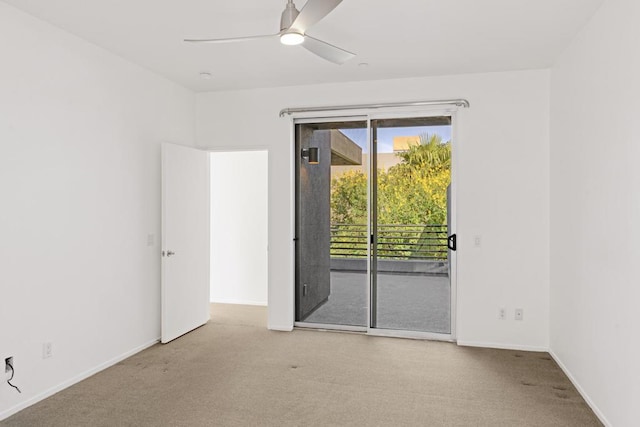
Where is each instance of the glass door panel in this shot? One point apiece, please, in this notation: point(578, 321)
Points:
point(410, 284)
point(331, 223)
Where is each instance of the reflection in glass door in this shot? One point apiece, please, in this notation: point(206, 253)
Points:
point(410, 284)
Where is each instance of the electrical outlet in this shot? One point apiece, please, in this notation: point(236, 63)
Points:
point(47, 350)
point(477, 241)
point(519, 314)
point(502, 313)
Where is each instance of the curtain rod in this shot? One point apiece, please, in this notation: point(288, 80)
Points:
point(457, 102)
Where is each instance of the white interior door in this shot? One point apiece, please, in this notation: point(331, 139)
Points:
point(185, 240)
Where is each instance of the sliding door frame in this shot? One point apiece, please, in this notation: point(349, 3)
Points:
point(368, 116)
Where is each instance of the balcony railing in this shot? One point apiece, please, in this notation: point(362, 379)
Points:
point(395, 241)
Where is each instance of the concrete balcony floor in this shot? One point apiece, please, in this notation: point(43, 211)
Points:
point(406, 301)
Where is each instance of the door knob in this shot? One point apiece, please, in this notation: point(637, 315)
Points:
point(168, 253)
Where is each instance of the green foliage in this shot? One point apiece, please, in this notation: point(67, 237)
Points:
point(413, 192)
point(349, 198)
point(431, 153)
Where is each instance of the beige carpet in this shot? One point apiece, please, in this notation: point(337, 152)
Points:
point(234, 372)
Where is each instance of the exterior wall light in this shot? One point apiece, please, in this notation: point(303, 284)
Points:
point(311, 154)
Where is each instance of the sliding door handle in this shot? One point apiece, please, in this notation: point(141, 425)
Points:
point(451, 242)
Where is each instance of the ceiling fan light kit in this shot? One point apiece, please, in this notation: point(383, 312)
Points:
point(292, 38)
point(293, 31)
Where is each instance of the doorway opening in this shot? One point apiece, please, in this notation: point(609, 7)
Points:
point(374, 229)
point(239, 224)
point(214, 234)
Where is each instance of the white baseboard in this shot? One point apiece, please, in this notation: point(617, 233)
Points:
point(583, 393)
point(238, 301)
point(53, 390)
point(287, 328)
point(502, 346)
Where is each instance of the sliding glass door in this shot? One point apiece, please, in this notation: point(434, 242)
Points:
point(372, 224)
point(331, 223)
point(411, 172)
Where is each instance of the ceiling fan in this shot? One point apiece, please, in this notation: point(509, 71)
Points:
point(293, 31)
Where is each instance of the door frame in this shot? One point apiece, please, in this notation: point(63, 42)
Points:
point(208, 151)
point(252, 149)
point(368, 115)
point(241, 149)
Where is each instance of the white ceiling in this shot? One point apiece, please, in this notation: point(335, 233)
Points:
point(397, 38)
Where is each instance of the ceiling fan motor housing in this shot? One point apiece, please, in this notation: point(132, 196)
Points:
point(289, 15)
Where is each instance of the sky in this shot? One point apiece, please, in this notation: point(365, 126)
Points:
point(386, 135)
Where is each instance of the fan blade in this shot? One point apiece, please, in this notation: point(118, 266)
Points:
point(327, 51)
point(311, 13)
point(232, 40)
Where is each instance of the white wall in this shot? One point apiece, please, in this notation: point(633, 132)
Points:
point(503, 188)
point(595, 212)
point(80, 193)
point(239, 227)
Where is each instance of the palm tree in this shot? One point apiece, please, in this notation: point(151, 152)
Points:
point(421, 163)
point(430, 153)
